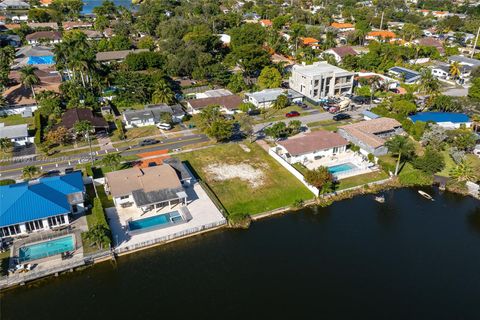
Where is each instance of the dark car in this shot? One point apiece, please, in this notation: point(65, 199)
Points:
point(51, 173)
point(69, 170)
point(147, 142)
point(152, 164)
point(360, 100)
point(292, 114)
point(341, 116)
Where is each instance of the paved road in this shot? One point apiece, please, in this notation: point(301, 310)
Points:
point(311, 117)
point(60, 163)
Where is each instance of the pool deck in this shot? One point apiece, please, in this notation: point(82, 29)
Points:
point(204, 215)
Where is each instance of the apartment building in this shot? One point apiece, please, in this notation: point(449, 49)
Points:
point(320, 80)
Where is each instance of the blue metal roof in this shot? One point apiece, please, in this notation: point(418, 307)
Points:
point(440, 117)
point(40, 199)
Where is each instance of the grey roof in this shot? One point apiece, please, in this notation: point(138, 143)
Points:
point(370, 114)
point(20, 130)
point(143, 198)
point(116, 55)
point(179, 167)
point(446, 67)
point(465, 60)
point(318, 68)
point(33, 51)
point(269, 95)
point(132, 115)
point(410, 75)
point(14, 4)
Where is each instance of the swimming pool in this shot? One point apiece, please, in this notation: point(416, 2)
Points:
point(342, 168)
point(166, 218)
point(41, 60)
point(46, 249)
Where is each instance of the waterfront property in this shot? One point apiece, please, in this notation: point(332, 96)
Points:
point(371, 135)
point(448, 120)
point(40, 205)
point(156, 204)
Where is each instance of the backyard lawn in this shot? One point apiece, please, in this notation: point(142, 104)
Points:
point(16, 119)
point(246, 180)
point(361, 179)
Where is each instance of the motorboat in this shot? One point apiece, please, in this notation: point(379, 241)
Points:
point(425, 195)
point(380, 199)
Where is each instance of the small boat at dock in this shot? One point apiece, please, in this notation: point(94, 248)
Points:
point(425, 195)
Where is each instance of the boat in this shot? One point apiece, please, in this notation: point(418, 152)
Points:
point(380, 199)
point(425, 195)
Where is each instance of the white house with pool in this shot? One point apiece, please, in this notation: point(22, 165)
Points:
point(322, 148)
point(40, 205)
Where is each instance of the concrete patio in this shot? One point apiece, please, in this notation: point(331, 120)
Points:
point(362, 164)
point(203, 212)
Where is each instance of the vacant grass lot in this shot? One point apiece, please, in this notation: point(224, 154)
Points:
point(329, 125)
point(279, 188)
point(15, 119)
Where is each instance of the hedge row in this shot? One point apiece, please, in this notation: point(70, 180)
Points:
point(38, 128)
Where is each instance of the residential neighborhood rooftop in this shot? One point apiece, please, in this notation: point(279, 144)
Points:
point(313, 141)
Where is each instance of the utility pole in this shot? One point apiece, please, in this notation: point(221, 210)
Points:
point(381, 21)
point(475, 43)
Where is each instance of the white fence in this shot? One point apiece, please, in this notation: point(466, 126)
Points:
point(293, 171)
point(170, 236)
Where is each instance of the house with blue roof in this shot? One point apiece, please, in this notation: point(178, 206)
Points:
point(448, 120)
point(39, 205)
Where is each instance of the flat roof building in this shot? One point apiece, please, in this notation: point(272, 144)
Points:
point(321, 80)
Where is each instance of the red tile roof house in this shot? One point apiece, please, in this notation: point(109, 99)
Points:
point(44, 37)
point(341, 52)
point(228, 104)
point(311, 146)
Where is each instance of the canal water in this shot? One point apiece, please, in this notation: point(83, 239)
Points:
point(88, 5)
point(408, 258)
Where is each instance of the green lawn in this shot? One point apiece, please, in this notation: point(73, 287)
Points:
point(329, 125)
point(361, 179)
point(16, 119)
point(449, 164)
point(142, 132)
point(279, 188)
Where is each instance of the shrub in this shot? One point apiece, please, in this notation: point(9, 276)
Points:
point(354, 148)
point(387, 167)
point(415, 178)
point(89, 170)
point(121, 132)
point(371, 158)
point(38, 128)
point(6, 182)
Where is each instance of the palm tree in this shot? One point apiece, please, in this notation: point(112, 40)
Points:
point(29, 78)
point(375, 83)
point(455, 70)
point(463, 172)
point(99, 235)
point(112, 160)
point(163, 93)
point(29, 172)
point(3, 101)
point(429, 85)
point(5, 144)
point(402, 147)
point(84, 128)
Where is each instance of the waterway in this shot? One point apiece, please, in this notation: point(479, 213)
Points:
point(88, 5)
point(408, 258)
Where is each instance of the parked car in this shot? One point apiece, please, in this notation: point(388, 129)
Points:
point(164, 126)
point(341, 116)
point(147, 142)
point(69, 170)
point(51, 173)
point(360, 100)
point(152, 164)
point(292, 114)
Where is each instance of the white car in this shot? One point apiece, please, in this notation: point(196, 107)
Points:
point(164, 126)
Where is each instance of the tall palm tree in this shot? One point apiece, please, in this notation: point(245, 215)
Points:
point(163, 93)
point(112, 160)
point(463, 172)
point(375, 83)
point(455, 69)
point(402, 147)
point(29, 172)
point(29, 78)
point(429, 85)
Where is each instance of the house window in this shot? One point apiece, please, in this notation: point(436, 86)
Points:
point(55, 221)
point(34, 225)
point(9, 231)
point(124, 197)
point(336, 149)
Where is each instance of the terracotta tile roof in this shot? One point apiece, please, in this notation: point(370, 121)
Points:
point(18, 95)
point(67, 25)
point(366, 131)
point(338, 25)
point(12, 26)
point(431, 42)
point(344, 51)
point(382, 34)
point(313, 141)
point(309, 41)
point(46, 2)
point(266, 22)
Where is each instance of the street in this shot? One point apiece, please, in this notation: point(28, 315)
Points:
point(61, 163)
